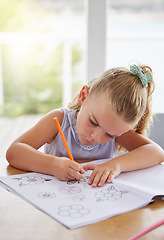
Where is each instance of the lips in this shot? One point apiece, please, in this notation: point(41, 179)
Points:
point(88, 142)
point(85, 141)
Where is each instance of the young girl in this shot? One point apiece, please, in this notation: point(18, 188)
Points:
point(113, 110)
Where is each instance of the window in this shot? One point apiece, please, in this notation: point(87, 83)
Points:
point(135, 32)
point(41, 54)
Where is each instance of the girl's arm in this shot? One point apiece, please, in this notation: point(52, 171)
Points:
point(142, 153)
point(23, 152)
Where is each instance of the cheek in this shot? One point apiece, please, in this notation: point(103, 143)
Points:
point(106, 140)
point(79, 124)
point(82, 125)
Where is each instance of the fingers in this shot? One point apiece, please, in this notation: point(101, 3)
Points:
point(70, 170)
point(103, 178)
point(98, 178)
point(75, 171)
point(82, 171)
point(111, 176)
point(73, 174)
point(70, 174)
point(77, 167)
point(74, 165)
point(89, 167)
point(94, 178)
point(65, 170)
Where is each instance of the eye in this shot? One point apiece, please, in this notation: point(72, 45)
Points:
point(93, 123)
point(109, 136)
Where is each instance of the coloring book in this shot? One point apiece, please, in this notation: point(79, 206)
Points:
point(76, 204)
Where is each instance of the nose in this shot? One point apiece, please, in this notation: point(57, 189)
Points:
point(96, 135)
point(93, 135)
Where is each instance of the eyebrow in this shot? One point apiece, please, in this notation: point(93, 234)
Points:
point(111, 136)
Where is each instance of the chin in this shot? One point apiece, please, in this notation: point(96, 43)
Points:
point(87, 143)
point(84, 141)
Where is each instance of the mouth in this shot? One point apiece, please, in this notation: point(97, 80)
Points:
point(87, 142)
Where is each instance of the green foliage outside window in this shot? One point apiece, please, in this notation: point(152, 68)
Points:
point(32, 73)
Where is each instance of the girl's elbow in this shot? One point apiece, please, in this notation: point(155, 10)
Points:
point(162, 156)
point(160, 153)
point(10, 155)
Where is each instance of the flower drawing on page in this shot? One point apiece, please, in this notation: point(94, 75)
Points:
point(78, 198)
point(73, 211)
point(31, 180)
point(69, 190)
point(83, 181)
point(70, 182)
point(109, 194)
point(46, 195)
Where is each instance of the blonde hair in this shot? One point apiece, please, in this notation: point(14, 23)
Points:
point(127, 95)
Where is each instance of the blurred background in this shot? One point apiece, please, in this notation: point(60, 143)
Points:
point(43, 45)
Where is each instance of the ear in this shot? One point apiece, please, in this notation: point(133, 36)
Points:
point(83, 94)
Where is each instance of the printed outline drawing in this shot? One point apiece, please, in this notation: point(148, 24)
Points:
point(31, 180)
point(69, 190)
point(46, 195)
point(83, 180)
point(109, 194)
point(73, 211)
point(78, 198)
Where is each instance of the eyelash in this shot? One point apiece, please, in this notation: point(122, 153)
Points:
point(93, 123)
point(96, 125)
point(109, 136)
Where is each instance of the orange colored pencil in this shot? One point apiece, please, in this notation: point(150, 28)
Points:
point(63, 138)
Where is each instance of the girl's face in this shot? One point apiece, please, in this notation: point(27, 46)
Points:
point(97, 123)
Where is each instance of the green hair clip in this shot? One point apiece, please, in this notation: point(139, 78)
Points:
point(145, 78)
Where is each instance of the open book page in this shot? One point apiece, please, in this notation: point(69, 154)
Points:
point(149, 182)
point(73, 203)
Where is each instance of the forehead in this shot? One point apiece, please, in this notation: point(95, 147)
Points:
point(102, 111)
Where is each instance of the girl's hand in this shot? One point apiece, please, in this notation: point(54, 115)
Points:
point(65, 169)
point(102, 173)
